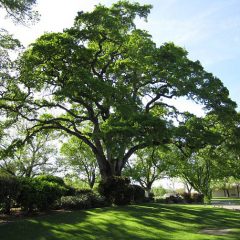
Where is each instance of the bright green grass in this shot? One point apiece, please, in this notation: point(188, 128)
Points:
point(148, 221)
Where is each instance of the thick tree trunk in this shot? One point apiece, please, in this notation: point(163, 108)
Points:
point(207, 196)
point(148, 189)
point(109, 169)
point(147, 192)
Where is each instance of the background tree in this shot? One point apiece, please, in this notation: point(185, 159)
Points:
point(106, 82)
point(10, 95)
point(224, 184)
point(19, 11)
point(34, 158)
point(146, 167)
point(78, 158)
point(203, 152)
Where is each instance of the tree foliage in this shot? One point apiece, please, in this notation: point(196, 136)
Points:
point(148, 166)
point(204, 152)
point(106, 82)
point(79, 158)
point(10, 48)
point(19, 10)
point(34, 158)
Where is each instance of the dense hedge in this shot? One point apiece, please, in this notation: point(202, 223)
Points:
point(116, 190)
point(184, 198)
point(47, 192)
point(39, 193)
point(198, 198)
point(137, 194)
point(9, 192)
point(30, 193)
point(51, 178)
point(82, 200)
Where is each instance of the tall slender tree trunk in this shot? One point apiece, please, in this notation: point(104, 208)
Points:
point(238, 190)
point(226, 192)
point(91, 180)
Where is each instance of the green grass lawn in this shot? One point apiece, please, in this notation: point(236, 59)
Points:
point(147, 221)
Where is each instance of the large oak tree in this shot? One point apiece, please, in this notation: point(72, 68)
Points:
point(106, 82)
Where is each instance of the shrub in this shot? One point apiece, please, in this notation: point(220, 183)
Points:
point(9, 191)
point(176, 198)
point(82, 201)
point(48, 193)
point(83, 191)
point(187, 197)
point(71, 191)
point(137, 193)
point(116, 190)
point(51, 178)
point(28, 196)
point(159, 191)
point(75, 202)
point(98, 201)
point(159, 200)
point(39, 193)
point(198, 198)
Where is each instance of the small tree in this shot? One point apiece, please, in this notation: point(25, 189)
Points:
point(34, 158)
point(78, 157)
point(147, 167)
point(201, 151)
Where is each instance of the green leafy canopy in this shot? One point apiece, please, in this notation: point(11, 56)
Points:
point(106, 82)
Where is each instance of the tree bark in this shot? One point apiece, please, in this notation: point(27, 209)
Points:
point(91, 180)
point(207, 196)
point(107, 170)
point(238, 190)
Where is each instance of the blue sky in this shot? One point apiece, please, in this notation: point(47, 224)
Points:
point(208, 30)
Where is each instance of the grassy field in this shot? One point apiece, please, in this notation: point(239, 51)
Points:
point(148, 221)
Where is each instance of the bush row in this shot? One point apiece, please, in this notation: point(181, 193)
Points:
point(30, 193)
point(116, 190)
point(193, 198)
point(47, 192)
point(84, 200)
point(185, 198)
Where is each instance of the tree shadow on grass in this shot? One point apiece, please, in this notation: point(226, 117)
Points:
point(147, 221)
point(190, 218)
point(177, 219)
